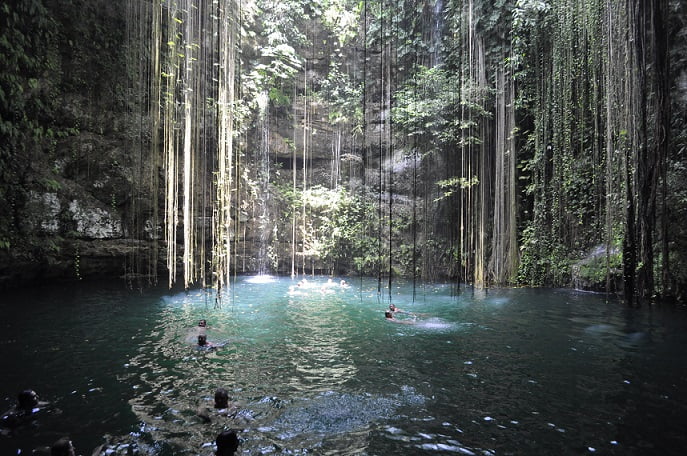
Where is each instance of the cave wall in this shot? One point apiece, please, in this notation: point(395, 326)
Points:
point(67, 162)
point(72, 204)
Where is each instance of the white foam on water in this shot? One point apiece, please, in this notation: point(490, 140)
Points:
point(435, 324)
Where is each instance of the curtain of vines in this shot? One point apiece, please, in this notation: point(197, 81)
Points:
point(190, 78)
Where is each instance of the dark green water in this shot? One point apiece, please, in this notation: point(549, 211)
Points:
point(510, 371)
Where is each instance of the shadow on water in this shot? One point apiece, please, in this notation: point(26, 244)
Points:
point(314, 367)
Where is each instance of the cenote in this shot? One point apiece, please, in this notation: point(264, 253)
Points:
point(317, 369)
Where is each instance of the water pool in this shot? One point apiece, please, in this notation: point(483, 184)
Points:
point(317, 369)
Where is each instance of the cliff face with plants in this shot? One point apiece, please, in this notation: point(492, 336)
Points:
point(65, 157)
point(491, 143)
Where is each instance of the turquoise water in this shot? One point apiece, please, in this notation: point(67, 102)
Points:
point(317, 369)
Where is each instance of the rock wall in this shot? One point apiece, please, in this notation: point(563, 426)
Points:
point(81, 206)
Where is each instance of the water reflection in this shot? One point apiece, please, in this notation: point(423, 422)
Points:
point(319, 346)
point(306, 350)
point(317, 369)
point(298, 343)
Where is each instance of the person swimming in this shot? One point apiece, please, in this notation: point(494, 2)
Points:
point(27, 400)
point(63, 447)
point(389, 315)
point(227, 443)
point(221, 398)
point(203, 342)
point(26, 407)
point(202, 334)
point(393, 308)
point(221, 405)
point(202, 327)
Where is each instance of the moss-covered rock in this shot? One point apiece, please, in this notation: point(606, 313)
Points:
point(600, 270)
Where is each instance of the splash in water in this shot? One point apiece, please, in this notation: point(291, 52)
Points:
point(337, 413)
point(435, 324)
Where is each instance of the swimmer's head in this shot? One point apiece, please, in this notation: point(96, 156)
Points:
point(202, 340)
point(221, 398)
point(388, 314)
point(27, 399)
point(202, 323)
point(62, 447)
point(392, 307)
point(227, 443)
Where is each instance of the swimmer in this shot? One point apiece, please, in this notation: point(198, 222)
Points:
point(227, 443)
point(393, 308)
point(221, 404)
point(205, 344)
point(221, 398)
point(62, 447)
point(389, 315)
point(27, 400)
point(27, 406)
point(202, 327)
point(202, 334)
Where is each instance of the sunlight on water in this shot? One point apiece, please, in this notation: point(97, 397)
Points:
point(291, 355)
point(313, 367)
point(262, 278)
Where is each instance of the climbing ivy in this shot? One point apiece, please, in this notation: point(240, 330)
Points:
point(27, 102)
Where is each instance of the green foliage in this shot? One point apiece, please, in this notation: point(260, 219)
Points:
point(278, 97)
point(429, 108)
point(280, 62)
point(343, 96)
point(443, 66)
point(454, 184)
point(55, 55)
point(341, 16)
point(592, 271)
point(337, 225)
point(90, 43)
point(26, 46)
point(543, 262)
point(51, 185)
point(276, 60)
point(52, 246)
